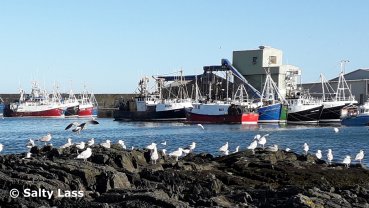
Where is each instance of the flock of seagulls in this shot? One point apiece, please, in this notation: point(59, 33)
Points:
point(258, 141)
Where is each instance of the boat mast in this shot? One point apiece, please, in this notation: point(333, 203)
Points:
point(341, 86)
point(321, 80)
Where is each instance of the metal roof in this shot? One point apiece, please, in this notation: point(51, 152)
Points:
point(355, 75)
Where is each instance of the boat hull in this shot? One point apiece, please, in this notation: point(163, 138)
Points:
point(272, 114)
point(2, 107)
point(71, 111)
point(244, 118)
point(310, 115)
point(359, 120)
point(85, 111)
point(168, 115)
point(56, 113)
point(331, 114)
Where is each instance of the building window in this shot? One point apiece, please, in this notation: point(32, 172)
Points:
point(272, 59)
point(254, 59)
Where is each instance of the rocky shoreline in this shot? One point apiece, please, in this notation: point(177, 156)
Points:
point(126, 178)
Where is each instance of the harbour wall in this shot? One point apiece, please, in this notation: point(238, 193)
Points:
point(107, 102)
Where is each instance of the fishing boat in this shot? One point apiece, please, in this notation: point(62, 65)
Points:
point(236, 110)
point(356, 116)
point(333, 103)
point(71, 105)
point(85, 107)
point(152, 106)
point(2, 107)
point(274, 108)
point(303, 109)
point(37, 104)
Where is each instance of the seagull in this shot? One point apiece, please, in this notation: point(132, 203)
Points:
point(347, 161)
point(224, 147)
point(253, 145)
point(121, 142)
point(306, 148)
point(192, 146)
point(106, 144)
point(176, 153)
point(154, 156)
point(30, 144)
point(318, 154)
point(262, 140)
point(68, 144)
point(226, 152)
point(201, 126)
point(336, 129)
point(189, 148)
point(164, 143)
point(360, 156)
point(164, 151)
point(151, 146)
point(237, 149)
point(186, 151)
point(330, 156)
point(80, 127)
point(85, 154)
point(257, 136)
point(91, 142)
point(1, 147)
point(288, 149)
point(28, 155)
point(80, 146)
point(273, 148)
point(46, 138)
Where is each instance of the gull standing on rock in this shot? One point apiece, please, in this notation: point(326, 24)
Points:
point(154, 156)
point(177, 153)
point(151, 146)
point(330, 156)
point(91, 142)
point(46, 138)
point(80, 146)
point(85, 154)
point(237, 149)
point(30, 144)
point(273, 148)
point(347, 161)
point(360, 156)
point(306, 148)
point(224, 147)
point(1, 147)
point(68, 144)
point(253, 145)
point(28, 156)
point(164, 151)
point(121, 142)
point(106, 144)
point(318, 154)
point(262, 140)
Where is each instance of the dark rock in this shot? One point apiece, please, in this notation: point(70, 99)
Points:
point(119, 178)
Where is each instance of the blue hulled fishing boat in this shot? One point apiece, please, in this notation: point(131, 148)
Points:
point(356, 116)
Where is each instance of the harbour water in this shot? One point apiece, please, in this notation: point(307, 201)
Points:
point(15, 132)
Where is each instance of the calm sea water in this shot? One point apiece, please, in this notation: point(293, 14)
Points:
point(15, 132)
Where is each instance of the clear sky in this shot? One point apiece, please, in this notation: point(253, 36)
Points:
point(108, 45)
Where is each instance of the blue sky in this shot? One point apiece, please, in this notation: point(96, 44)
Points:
point(109, 45)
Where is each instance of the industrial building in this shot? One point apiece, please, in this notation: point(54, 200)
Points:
point(253, 65)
